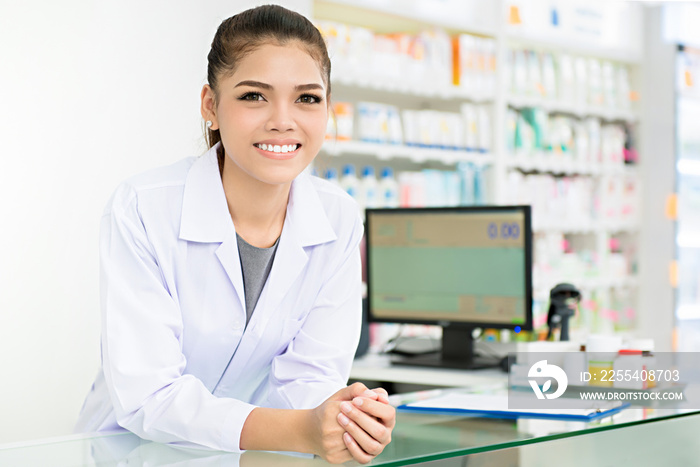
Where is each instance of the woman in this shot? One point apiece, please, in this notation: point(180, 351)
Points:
point(230, 293)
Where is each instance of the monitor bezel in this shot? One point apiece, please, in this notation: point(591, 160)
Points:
point(525, 209)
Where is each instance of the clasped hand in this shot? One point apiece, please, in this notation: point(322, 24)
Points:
point(354, 423)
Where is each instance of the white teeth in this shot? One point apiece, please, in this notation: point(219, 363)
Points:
point(277, 148)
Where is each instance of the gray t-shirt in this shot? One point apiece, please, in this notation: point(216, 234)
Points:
point(256, 264)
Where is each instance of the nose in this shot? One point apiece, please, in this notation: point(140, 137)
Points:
point(281, 118)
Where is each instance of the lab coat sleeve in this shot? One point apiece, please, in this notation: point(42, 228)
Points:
point(141, 345)
point(317, 361)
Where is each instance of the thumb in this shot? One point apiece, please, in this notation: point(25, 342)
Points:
point(354, 390)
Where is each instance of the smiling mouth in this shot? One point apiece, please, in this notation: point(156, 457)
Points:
point(278, 149)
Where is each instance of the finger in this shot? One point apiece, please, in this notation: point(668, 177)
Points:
point(367, 443)
point(355, 450)
point(384, 412)
point(360, 390)
point(371, 426)
point(382, 395)
point(352, 391)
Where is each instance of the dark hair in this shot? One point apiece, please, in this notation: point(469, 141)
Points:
point(241, 34)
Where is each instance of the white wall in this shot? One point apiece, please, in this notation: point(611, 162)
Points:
point(90, 93)
point(657, 152)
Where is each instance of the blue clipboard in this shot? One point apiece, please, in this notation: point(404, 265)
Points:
point(472, 405)
point(514, 414)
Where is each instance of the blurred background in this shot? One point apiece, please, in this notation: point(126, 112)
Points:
point(588, 111)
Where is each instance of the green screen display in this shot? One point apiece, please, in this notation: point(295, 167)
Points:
point(460, 266)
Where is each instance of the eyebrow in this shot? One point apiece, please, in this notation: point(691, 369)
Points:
point(258, 84)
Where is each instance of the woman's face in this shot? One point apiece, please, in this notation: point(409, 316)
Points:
point(272, 113)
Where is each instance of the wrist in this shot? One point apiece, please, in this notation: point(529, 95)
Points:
point(306, 428)
point(269, 429)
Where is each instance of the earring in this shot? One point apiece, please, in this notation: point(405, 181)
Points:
point(209, 124)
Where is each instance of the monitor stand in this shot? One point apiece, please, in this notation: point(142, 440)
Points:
point(457, 352)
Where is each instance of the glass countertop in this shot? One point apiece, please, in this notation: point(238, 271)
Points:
point(417, 438)
point(665, 442)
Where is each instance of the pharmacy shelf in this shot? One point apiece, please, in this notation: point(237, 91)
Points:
point(685, 95)
point(403, 88)
point(547, 163)
point(559, 226)
point(589, 283)
point(391, 16)
point(572, 47)
point(583, 228)
point(614, 226)
point(581, 111)
point(609, 282)
point(416, 154)
point(399, 15)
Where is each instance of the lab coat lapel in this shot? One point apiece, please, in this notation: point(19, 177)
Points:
point(289, 261)
point(228, 256)
point(305, 225)
point(288, 264)
point(206, 218)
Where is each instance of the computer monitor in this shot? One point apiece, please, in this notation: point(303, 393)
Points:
point(459, 267)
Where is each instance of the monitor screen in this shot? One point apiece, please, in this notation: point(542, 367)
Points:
point(457, 267)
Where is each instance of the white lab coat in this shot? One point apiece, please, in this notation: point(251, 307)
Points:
point(177, 366)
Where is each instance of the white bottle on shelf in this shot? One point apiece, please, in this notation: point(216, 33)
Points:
point(332, 176)
point(350, 183)
point(388, 189)
point(368, 188)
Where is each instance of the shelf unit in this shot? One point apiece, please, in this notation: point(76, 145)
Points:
point(581, 111)
point(595, 236)
point(447, 93)
point(588, 284)
point(542, 163)
point(386, 152)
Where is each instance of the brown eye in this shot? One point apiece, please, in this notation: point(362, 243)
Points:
point(251, 96)
point(309, 99)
